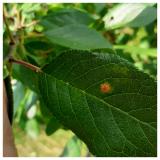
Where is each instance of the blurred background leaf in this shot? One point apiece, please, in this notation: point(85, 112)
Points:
point(130, 15)
point(72, 148)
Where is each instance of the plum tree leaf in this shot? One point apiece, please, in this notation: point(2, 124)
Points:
point(77, 37)
point(120, 122)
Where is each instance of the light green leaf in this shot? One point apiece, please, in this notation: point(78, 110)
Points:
point(118, 122)
point(134, 15)
point(19, 92)
point(32, 128)
point(77, 37)
point(72, 148)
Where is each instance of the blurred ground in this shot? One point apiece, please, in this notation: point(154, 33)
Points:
point(43, 145)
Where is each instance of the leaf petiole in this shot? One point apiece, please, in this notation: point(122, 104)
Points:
point(28, 65)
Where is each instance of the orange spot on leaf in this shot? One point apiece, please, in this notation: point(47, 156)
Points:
point(105, 87)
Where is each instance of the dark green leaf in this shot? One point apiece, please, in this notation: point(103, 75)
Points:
point(44, 110)
point(77, 37)
point(120, 122)
point(37, 46)
point(52, 126)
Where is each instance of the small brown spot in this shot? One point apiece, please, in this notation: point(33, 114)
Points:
point(105, 87)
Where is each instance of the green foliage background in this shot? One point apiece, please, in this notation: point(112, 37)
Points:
point(42, 32)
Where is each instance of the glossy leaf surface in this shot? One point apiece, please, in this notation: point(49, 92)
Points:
point(121, 122)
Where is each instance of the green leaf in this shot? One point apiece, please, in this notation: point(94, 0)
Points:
point(63, 17)
point(72, 148)
point(44, 110)
point(77, 37)
point(52, 126)
point(133, 15)
point(147, 16)
point(37, 46)
point(120, 122)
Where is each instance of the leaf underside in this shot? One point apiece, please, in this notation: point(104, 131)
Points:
point(121, 122)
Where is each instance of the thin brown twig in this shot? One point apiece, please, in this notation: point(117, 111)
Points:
point(26, 64)
point(7, 27)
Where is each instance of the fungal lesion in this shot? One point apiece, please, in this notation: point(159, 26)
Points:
point(105, 87)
